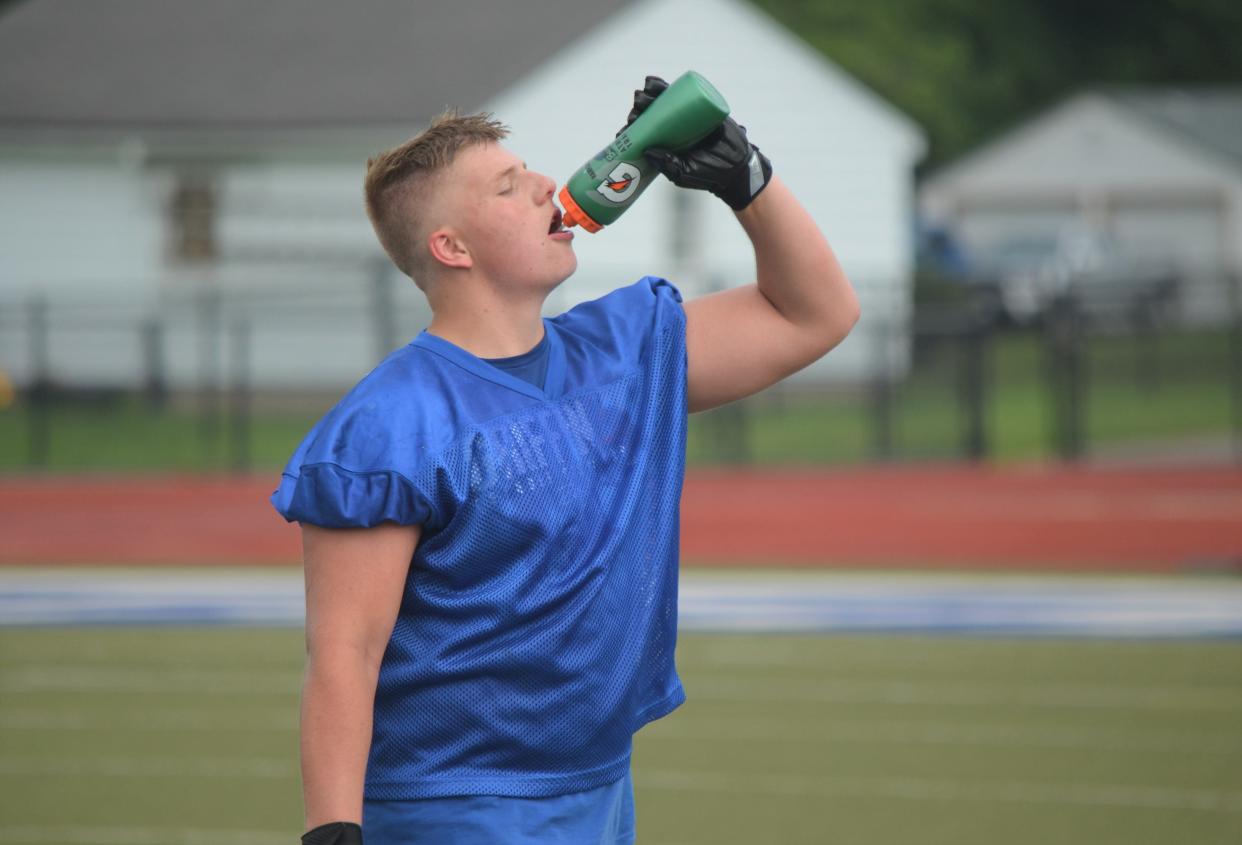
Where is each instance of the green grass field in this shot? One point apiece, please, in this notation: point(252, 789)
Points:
point(184, 736)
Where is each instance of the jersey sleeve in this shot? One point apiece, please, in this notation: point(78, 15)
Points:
point(355, 469)
point(626, 319)
point(335, 497)
point(637, 304)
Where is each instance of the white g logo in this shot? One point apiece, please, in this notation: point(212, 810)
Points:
point(621, 183)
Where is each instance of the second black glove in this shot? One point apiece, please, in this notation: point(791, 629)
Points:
point(724, 163)
point(334, 833)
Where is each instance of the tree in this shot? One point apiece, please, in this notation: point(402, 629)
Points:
point(966, 69)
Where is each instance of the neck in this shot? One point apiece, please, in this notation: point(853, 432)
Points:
point(484, 321)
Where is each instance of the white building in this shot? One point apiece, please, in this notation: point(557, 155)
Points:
point(1157, 171)
point(194, 166)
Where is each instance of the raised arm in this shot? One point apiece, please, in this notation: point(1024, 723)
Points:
point(355, 578)
point(744, 339)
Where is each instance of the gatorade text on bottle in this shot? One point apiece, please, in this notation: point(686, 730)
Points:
point(603, 188)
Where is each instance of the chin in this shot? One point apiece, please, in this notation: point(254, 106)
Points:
point(565, 272)
point(560, 279)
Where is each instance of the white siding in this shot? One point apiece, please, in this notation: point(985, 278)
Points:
point(1087, 144)
point(86, 233)
point(297, 234)
point(1092, 163)
point(847, 155)
point(298, 262)
point(284, 208)
point(297, 253)
point(78, 227)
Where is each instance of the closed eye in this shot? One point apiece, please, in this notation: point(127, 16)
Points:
point(508, 179)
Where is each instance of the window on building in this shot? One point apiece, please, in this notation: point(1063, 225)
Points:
point(193, 217)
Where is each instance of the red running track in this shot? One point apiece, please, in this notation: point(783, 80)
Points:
point(938, 516)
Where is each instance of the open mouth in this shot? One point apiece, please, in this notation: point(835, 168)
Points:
point(556, 222)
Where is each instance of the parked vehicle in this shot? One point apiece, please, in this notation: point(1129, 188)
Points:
point(1104, 281)
point(946, 281)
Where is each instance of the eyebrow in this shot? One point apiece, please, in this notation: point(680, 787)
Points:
point(507, 171)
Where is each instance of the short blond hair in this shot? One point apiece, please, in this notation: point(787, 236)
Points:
point(397, 182)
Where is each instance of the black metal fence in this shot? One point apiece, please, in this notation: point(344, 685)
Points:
point(1086, 380)
point(1101, 377)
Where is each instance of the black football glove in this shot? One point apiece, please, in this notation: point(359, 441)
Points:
point(334, 833)
point(653, 86)
point(724, 163)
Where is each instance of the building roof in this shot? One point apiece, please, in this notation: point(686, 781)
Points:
point(247, 65)
point(1212, 117)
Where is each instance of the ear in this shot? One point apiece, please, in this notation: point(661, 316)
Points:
point(447, 247)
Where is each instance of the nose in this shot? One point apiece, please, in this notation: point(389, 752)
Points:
point(545, 186)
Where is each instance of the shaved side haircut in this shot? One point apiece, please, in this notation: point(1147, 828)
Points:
point(401, 181)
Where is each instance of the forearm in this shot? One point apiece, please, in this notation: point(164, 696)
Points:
point(796, 269)
point(338, 697)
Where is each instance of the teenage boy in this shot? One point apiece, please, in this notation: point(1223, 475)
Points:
point(490, 517)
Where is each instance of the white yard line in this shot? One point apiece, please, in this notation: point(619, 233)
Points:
point(111, 835)
point(875, 652)
point(714, 729)
point(965, 693)
point(923, 789)
point(179, 720)
point(50, 676)
point(926, 789)
point(206, 767)
point(835, 731)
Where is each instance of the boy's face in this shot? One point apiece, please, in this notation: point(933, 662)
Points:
point(505, 215)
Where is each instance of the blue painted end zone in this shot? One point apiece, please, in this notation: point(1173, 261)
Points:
point(727, 602)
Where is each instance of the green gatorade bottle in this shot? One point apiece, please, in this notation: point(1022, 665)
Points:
point(603, 188)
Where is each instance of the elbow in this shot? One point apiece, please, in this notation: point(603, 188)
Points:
point(839, 323)
point(852, 313)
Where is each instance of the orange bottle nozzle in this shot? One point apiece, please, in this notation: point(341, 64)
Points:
point(573, 215)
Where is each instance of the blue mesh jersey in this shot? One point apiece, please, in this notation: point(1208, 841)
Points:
point(538, 621)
